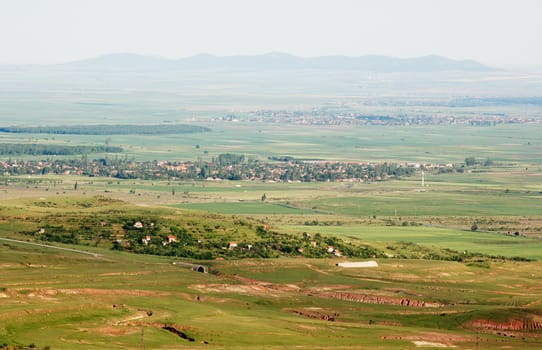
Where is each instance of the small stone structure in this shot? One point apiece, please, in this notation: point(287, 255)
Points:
point(193, 267)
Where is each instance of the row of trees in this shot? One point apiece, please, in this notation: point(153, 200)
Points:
point(104, 129)
point(472, 161)
point(16, 149)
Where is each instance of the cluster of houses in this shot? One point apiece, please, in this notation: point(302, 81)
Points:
point(273, 171)
point(231, 245)
point(332, 250)
point(147, 239)
point(327, 117)
point(170, 239)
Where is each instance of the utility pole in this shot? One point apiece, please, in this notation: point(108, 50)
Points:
point(423, 179)
point(142, 338)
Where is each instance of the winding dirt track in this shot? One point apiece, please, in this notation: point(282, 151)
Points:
point(96, 255)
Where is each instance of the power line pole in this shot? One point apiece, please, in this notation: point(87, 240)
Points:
point(142, 338)
point(423, 179)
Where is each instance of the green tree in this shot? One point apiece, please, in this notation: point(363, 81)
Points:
point(469, 161)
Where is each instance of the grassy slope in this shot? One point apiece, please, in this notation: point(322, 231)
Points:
point(66, 301)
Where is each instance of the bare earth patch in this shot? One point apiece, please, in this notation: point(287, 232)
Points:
point(126, 273)
point(325, 288)
point(432, 339)
point(236, 289)
point(115, 331)
point(124, 292)
point(533, 324)
point(314, 268)
point(316, 314)
point(372, 298)
point(430, 344)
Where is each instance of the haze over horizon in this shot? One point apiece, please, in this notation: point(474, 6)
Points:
point(498, 34)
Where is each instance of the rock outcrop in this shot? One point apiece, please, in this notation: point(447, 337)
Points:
point(377, 299)
point(510, 325)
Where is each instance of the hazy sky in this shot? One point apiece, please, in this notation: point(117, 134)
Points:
point(495, 32)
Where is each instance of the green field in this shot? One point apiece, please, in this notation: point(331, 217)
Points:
point(65, 300)
point(427, 144)
point(246, 208)
point(459, 240)
point(413, 203)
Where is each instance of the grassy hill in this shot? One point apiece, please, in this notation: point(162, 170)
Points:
point(431, 293)
point(65, 300)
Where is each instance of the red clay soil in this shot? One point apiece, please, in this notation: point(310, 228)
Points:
point(315, 314)
point(511, 325)
point(269, 285)
point(377, 299)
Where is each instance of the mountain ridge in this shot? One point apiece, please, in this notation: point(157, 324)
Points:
point(277, 61)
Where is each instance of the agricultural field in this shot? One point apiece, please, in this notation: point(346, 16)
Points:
point(437, 284)
point(88, 261)
point(508, 144)
point(64, 300)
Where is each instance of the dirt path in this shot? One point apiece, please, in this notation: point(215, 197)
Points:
point(96, 255)
point(314, 268)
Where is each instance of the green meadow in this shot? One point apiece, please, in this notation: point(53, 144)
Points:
point(62, 300)
point(508, 143)
point(459, 240)
point(429, 203)
point(245, 208)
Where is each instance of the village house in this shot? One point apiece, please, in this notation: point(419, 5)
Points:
point(146, 240)
point(232, 245)
point(138, 224)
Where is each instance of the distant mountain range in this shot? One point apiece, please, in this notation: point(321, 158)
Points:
point(277, 61)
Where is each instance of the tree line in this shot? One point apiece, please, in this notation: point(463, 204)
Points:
point(16, 149)
point(104, 129)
